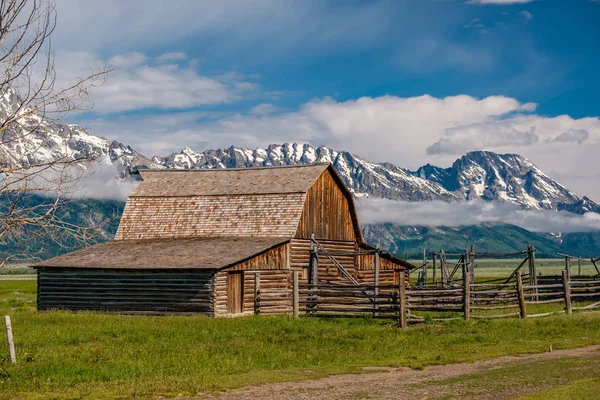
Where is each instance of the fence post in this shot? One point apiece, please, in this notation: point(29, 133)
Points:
point(466, 290)
point(402, 297)
point(568, 266)
point(443, 267)
point(433, 261)
point(579, 266)
point(376, 284)
point(425, 267)
point(313, 261)
point(472, 263)
point(567, 290)
point(9, 337)
point(295, 294)
point(257, 293)
point(522, 308)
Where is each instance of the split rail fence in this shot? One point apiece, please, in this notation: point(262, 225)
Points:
point(453, 294)
point(411, 304)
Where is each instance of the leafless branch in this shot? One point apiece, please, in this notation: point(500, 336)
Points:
point(32, 191)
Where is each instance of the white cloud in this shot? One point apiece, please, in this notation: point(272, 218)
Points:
point(169, 81)
point(572, 136)
point(385, 128)
point(482, 136)
point(437, 213)
point(99, 183)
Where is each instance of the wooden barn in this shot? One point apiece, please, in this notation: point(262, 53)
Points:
point(203, 241)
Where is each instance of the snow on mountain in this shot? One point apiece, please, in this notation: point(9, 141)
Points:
point(505, 178)
point(361, 176)
point(480, 174)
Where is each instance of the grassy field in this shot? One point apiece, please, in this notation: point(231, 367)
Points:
point(496, 268)
point(91, 355)
point(563, 378)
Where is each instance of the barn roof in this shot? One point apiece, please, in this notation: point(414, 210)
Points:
point(232, 181)
point(193, 253)
point(263, 201)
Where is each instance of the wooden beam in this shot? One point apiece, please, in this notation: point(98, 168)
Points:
point(466, 292)
point(514, 273)
point(295, 294)
point(335, 262)
point(521, 295)
point(425, 267)
point(472, 263)
point(9, 337)
point(567, 292)
point(376, 282)
point(434, 269)
point(257, 293)
point(402, 297)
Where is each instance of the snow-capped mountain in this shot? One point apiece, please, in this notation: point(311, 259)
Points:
point(505, 178)
point(362, 177)
point(481, 174)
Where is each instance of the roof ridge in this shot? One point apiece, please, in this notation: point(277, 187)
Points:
point(234, 169)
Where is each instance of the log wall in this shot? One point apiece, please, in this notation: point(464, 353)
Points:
point(127, 291)
point(274, 297)
point(328, 272)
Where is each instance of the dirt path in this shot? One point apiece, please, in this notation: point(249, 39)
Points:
point(406, 383)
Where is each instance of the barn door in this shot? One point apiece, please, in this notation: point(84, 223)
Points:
point(235, 292)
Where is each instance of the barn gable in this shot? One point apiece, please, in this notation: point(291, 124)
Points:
point(293, 201)
point(329, 211)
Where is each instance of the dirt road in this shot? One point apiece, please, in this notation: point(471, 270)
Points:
point(475, 380)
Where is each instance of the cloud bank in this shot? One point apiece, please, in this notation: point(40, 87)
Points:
point(476, 212)
point(169, 81)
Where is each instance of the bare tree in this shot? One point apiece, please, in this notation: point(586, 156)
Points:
point(27, 85)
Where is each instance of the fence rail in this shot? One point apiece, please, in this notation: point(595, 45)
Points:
point(466, 301)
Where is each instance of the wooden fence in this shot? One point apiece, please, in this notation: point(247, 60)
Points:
point(467, 300)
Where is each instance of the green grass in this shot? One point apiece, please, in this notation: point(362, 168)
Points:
point(588, 389)
point(87, 355)
point(555, 378)
point(17, 294)
point(92, 355)
point(496, 268)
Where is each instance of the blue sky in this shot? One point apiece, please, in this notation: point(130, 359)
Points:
point(423, 80)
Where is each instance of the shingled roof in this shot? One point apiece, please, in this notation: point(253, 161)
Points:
point(192, 253)
point(220, 182)
point(262, 202)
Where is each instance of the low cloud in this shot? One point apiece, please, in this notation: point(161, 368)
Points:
point(482, 136)
point(101, 181)
point(476, 212)
point(572, 136)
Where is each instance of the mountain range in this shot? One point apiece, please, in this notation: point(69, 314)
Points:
point(484, 175)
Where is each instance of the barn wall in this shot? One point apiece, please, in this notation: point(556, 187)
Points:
point(361, 267)
point(275, 292)
point(328, 272)
point(130, 291)
point(265, 215)
point(326, 212)
point(276, 258)
point(387, 268)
